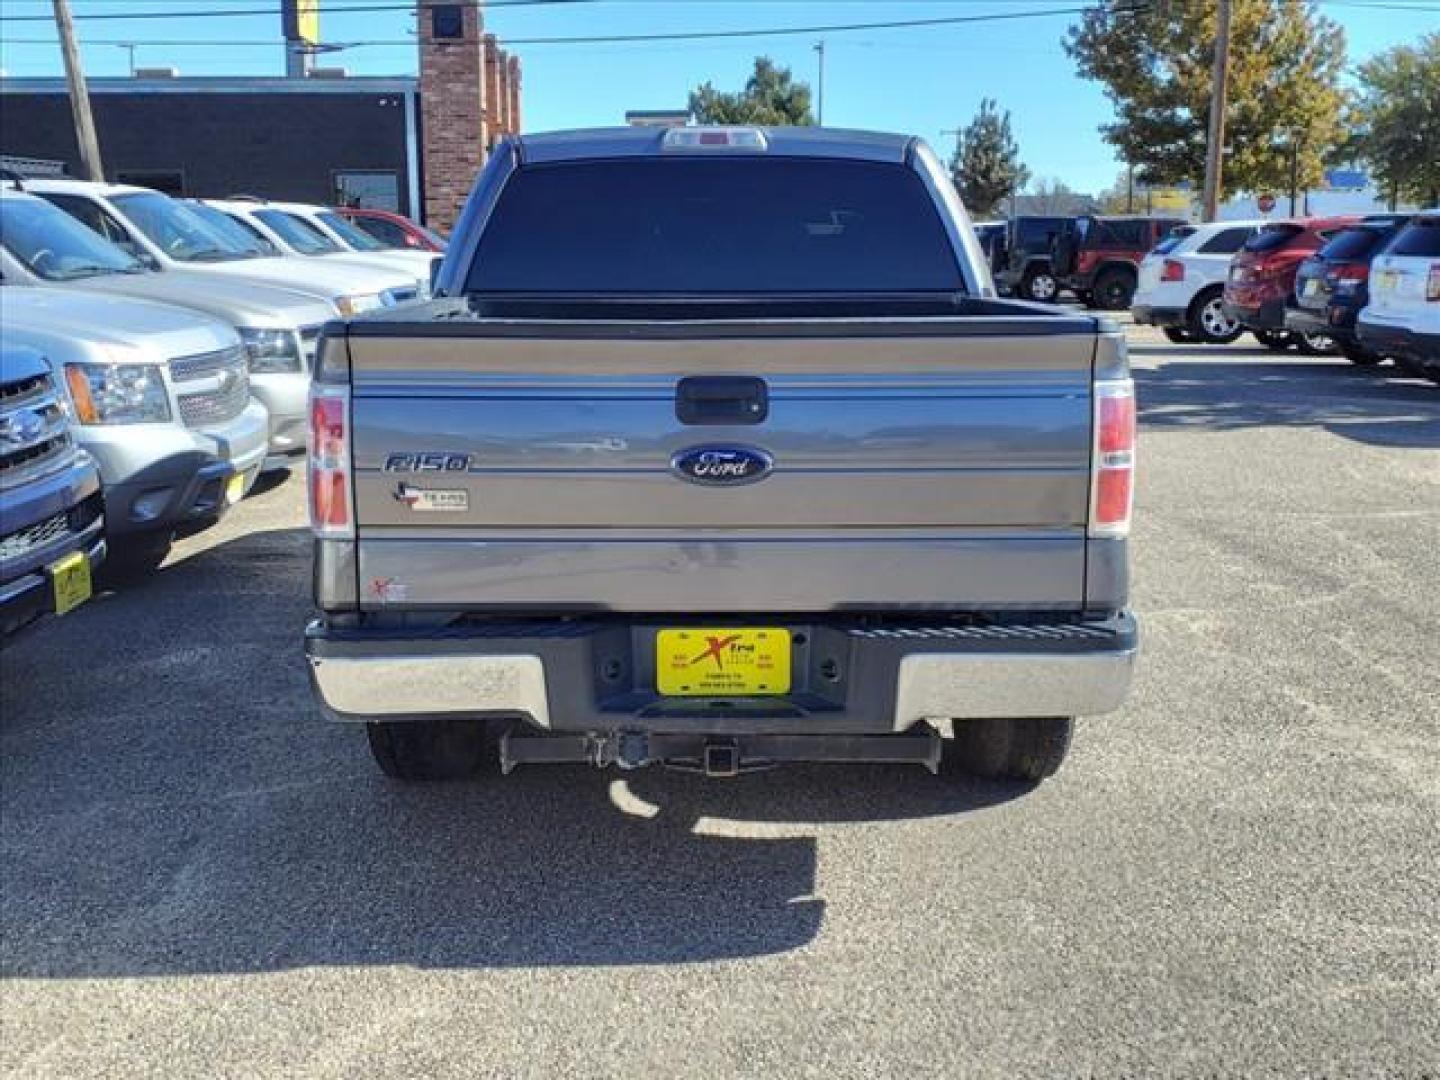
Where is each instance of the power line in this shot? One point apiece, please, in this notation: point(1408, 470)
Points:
point(227, 13)
point(710, 35)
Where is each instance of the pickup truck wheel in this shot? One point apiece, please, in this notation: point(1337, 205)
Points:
point(1023, 749)
point(1114, 289)
point(1316, 345)
point(432, 749)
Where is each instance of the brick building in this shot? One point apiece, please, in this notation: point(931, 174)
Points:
point(407, 144)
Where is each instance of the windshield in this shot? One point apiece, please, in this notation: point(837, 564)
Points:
point(176, 229)
point(240, 235)
point(352, 234)
point(298, 233)
point(56, 247)
point(687, 226)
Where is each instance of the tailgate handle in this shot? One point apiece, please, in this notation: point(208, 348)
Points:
point(722, 399)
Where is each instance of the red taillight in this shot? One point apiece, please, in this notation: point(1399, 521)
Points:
point(1172, 271)
point(1432, 283)
point(1112, 474)
point(330, 502)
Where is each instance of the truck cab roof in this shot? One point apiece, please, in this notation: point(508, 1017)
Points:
point(777, 141)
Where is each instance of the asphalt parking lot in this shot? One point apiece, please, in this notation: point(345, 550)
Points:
point(1239, 873)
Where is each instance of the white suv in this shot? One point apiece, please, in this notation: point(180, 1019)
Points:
point(1402, 319)
point(1182, 280)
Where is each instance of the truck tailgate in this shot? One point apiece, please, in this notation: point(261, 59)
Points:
point(941, 464)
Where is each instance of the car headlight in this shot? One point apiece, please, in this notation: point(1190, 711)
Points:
point(354, 305)
point(271, 351)
point(118, 393)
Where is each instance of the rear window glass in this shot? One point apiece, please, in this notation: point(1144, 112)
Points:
point(1418, 238)
point(1355, 243)
point(1226, 242)
point(1273, 237)
point(1037, 234)
point(1174, 240)
point(685, 226)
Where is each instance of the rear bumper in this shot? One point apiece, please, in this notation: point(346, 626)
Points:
point(1268, 315)
point(1149, 315)
point(1401, 341)
point(1310, 321)
point(850, 678)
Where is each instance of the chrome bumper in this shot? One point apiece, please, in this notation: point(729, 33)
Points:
point(895, 679)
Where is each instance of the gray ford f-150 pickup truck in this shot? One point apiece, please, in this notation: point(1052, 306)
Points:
point(716, 449)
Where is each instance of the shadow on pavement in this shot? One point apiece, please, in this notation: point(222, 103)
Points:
point(1373, 407)
point(172, 803)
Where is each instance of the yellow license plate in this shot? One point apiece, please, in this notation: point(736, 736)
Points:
point(234, 489)
point(725, 661)
point(70, 582)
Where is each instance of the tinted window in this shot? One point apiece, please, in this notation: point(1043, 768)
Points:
point(175, 228)
point(1036, 235)
point(1418, 238)
point(55, 246)
point(682, 226)
point(1134, 235)
point(1357, 243)
point(1226, 242)
point(344, 228)
point(1175, 239)
point(387, 232)
point(298, 233)
point(91, 213)
point(239, 233)
point(1272, 238)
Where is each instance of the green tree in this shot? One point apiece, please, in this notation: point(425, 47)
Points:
point(771, 97)
point(1395, 120)
point(986, 167)
point(1156, 64)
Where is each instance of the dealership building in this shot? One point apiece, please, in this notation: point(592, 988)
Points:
point(409, 144)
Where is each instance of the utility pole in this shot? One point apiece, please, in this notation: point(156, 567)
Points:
point(79, 95)
point(1294, 172)
point(1215, 146)
point(820, 97)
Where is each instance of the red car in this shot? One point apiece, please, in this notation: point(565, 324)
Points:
point(394, 230)
point(1262, 279)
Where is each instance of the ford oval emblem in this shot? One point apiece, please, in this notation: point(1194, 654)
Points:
point(722, 466)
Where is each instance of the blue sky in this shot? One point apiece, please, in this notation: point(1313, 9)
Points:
point(928, 81)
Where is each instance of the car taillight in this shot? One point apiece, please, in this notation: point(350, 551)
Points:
point(331, 504)
point(1432, 283)
point(1112, 467)
point(1172, 271)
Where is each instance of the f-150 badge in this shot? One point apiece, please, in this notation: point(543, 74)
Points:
point(432, 501)
point(427, 462)
point(722, 466)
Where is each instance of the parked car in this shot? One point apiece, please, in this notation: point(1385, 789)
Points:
point(393, 230)
point(1023, 262)
point(354, 240)
point(160, 397)
point(1403, 316)
point(40, 244)
point(1331, 286)
point(991, 237)
point(1098, 258)
point(1262, 278)
point(293, 234)
point(819, 495)
point(52, 517)
point(169, 235)
point(1182, 282)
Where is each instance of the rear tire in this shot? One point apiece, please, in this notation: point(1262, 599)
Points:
point(1208, 322)
point(1316, 345)
point(1039, 285)
point(424, 750)
point(1274, 340)
point(1114, 289)
point(1358, 355)
point(998, 749)
point(1176, 334)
